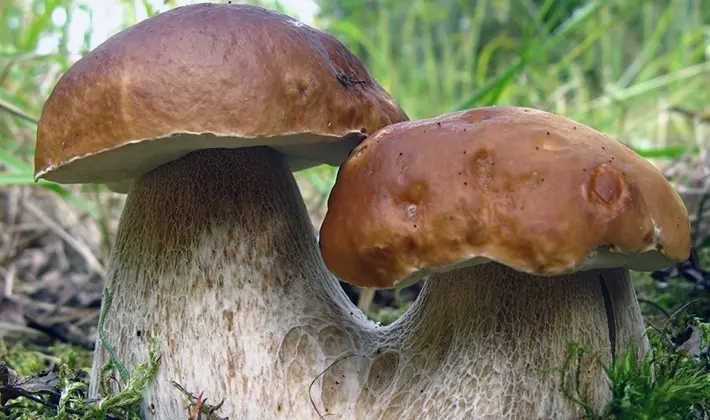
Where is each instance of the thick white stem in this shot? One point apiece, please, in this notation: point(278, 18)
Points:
point(478, 341)
point(215, 254)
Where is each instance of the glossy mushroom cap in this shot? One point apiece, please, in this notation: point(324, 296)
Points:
point(207, 76)
point(532, 190)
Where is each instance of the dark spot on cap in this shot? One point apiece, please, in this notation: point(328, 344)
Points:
point(605, 185)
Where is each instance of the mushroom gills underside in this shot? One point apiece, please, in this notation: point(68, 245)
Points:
point(118, 167)
point(603, 257)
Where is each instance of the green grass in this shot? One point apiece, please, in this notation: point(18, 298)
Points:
point(672, 382)
point(65, 385)
point(595, 63)
point(388, 314)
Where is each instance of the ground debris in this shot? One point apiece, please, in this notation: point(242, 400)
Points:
point(14, 385)
point(51, 261)
point(198, 406)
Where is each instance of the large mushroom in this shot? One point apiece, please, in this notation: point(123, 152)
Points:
point(525, 224)
point(196, 113)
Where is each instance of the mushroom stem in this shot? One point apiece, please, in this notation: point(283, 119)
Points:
point(216, 255)
point(484, 335)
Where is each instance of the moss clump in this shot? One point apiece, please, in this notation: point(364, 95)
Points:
point(671, 382)
point(60, 392)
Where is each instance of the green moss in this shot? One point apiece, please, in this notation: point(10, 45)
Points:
point(671, 382)
point(67, 398)
point(23, 359)
point(389, 314)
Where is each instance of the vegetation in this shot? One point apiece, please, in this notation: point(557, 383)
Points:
point(671, 382)
point(634, 69)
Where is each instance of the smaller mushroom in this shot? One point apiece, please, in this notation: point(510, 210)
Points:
point(526, 224)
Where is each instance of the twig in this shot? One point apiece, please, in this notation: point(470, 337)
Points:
point(9, 236)
point(6, 70)
point(13, 110)
point(63, 301)
point(655, 305)
point(91, 261)
point(78, 246)
point(5, 74)
point(21, 244)
point(103, 219)
point(685, 190)
point(313, 403)
point(7, 328)
point(701, 116)
point(86, 319)
point(695, 232)
point(56, 334)
point(681, 309)
point(12, 206)
point(45, 403)
point(68, 317)
point(42, 401)
point(364, 301)
point(9, 280)
point(46, 306)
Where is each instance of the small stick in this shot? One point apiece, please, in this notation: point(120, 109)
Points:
point(78, 245)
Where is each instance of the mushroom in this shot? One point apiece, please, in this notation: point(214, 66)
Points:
point(196, 114)
point(525, 225)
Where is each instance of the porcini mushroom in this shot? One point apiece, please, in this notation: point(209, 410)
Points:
point(195, 112)
point(525, 224)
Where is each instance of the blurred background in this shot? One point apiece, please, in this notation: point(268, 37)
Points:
point(636, 70)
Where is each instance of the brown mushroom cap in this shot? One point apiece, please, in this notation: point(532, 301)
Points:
point(207, 76)
point(529, 189)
